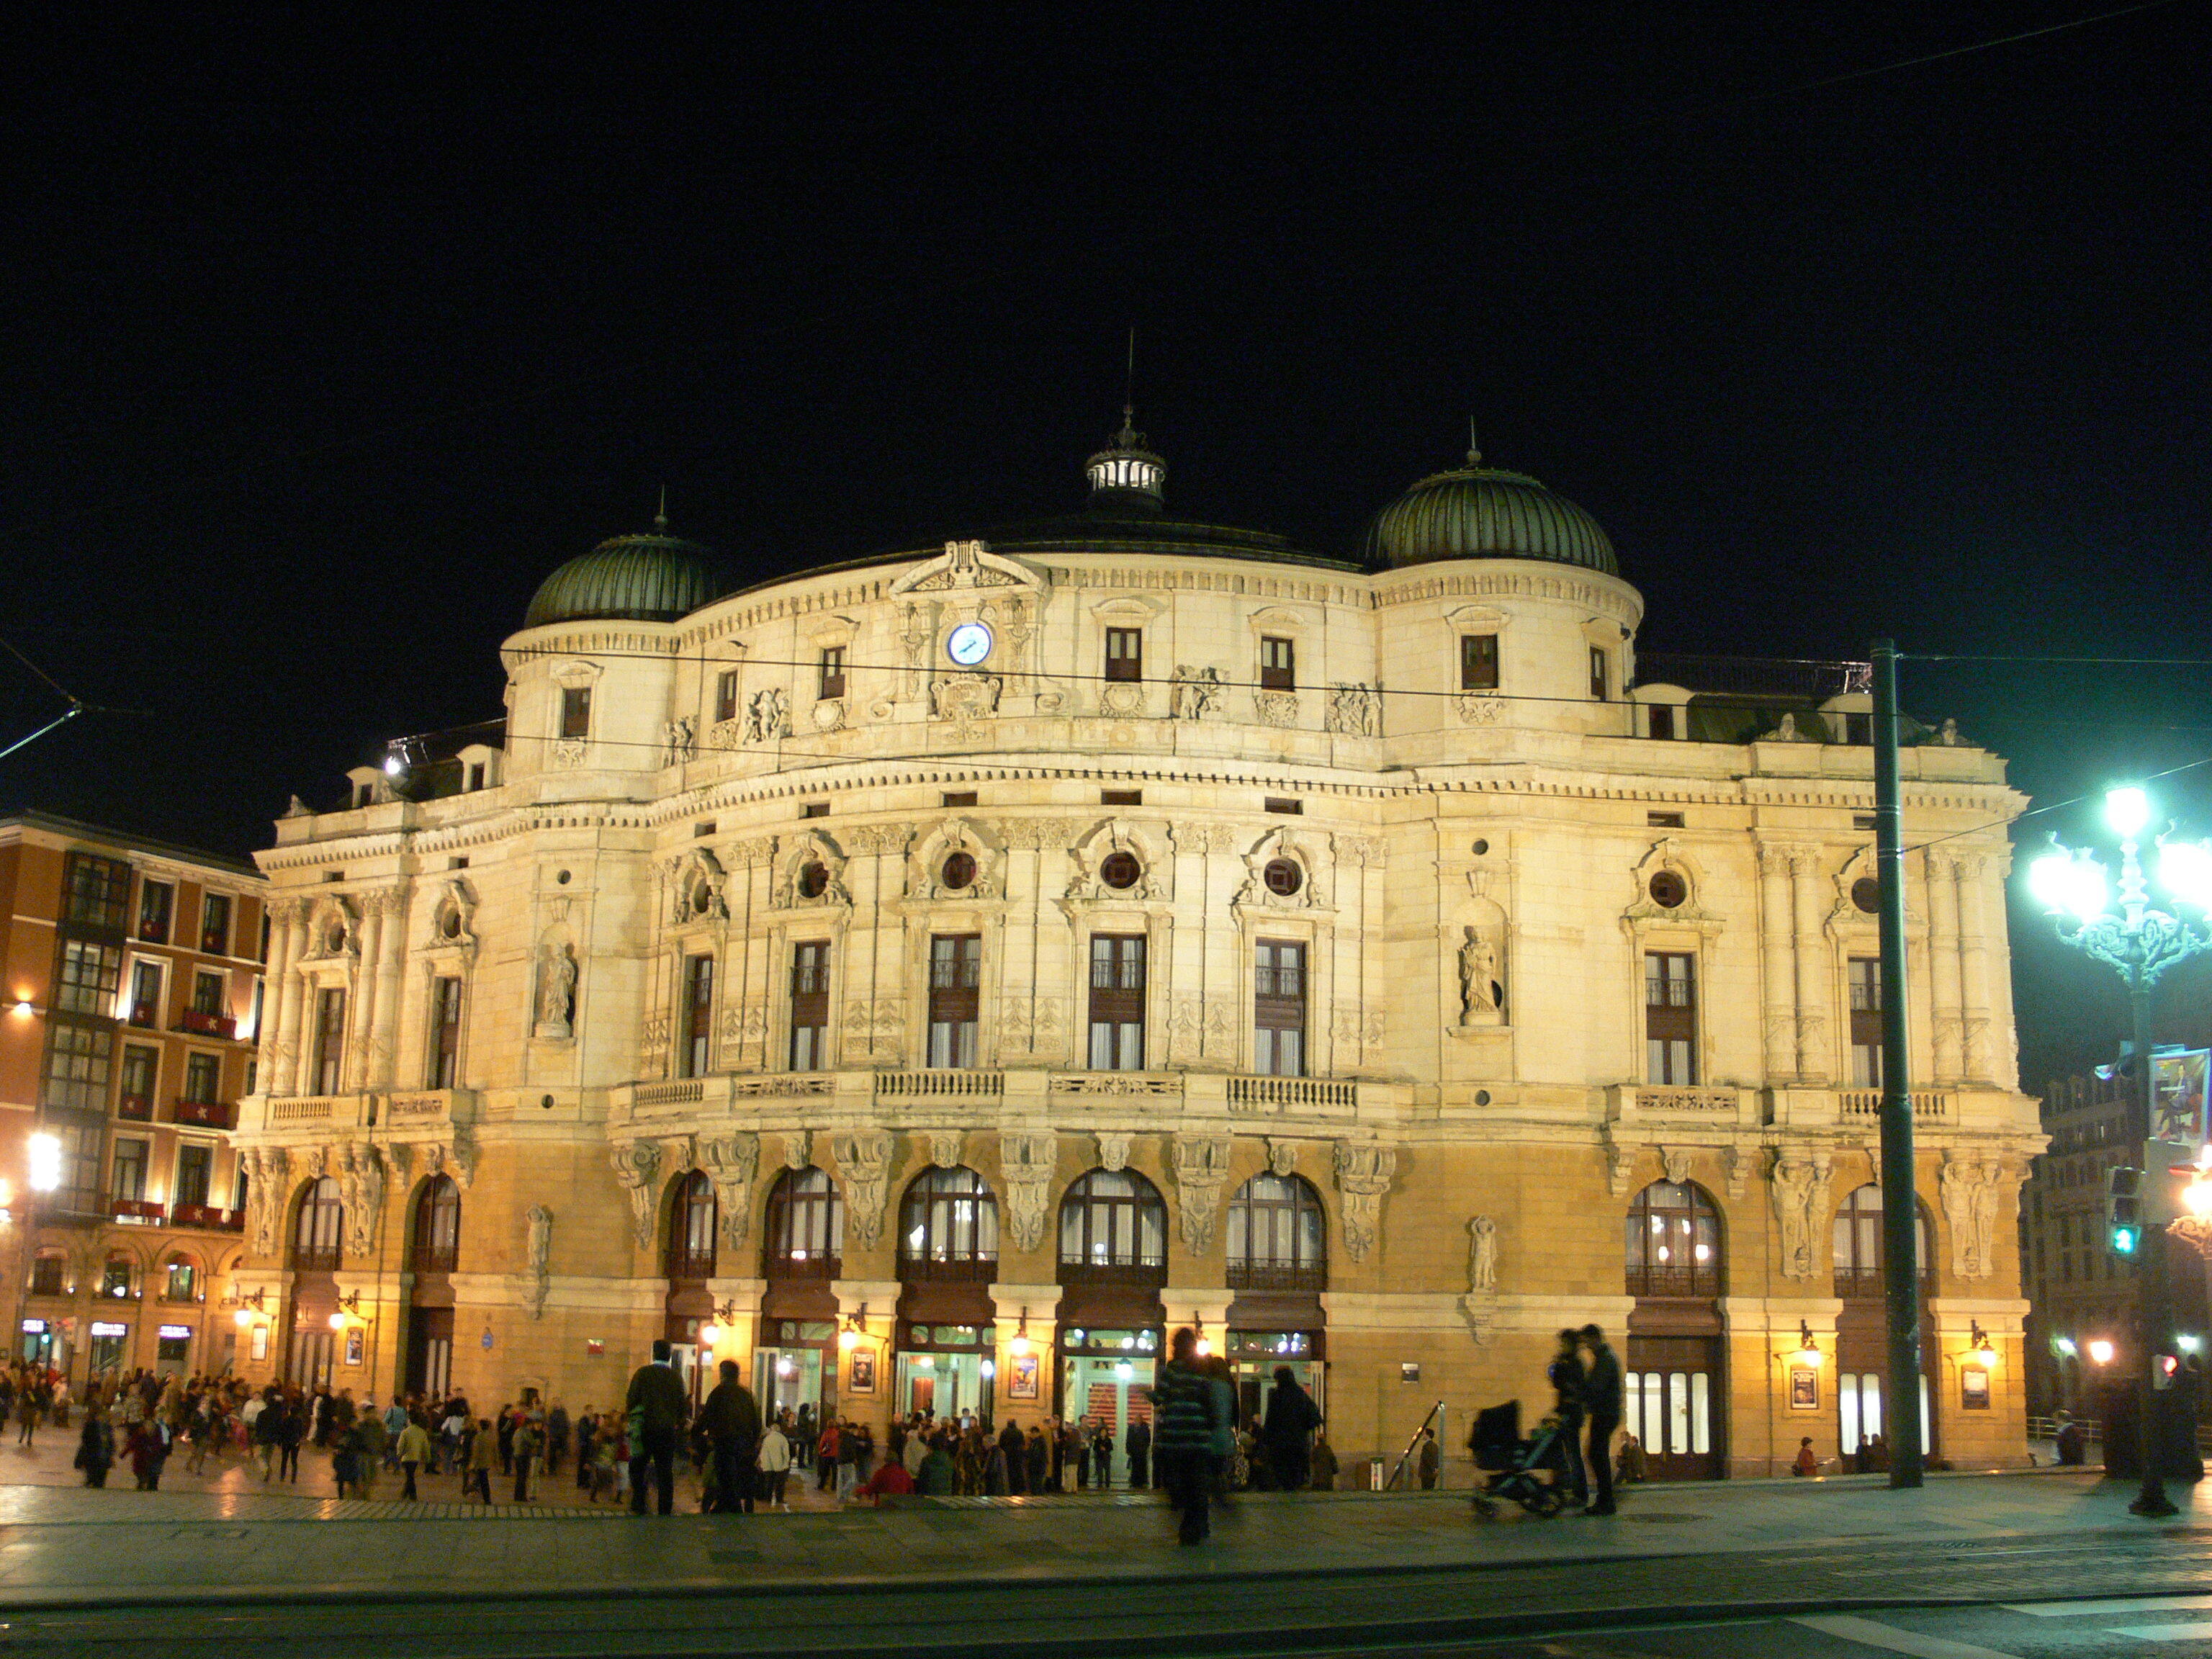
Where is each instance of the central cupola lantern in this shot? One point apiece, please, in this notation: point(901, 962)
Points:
point(1126, 476)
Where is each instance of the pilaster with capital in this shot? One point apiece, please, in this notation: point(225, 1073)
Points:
point(1813, 1048)
point(1942, 871)
point(383, 1033)
point(282, 945)
point(1977, 873)
point(362, 1010)
point(1778, 955)
point(291, 1003)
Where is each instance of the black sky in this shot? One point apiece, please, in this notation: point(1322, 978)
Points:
point(329, 335)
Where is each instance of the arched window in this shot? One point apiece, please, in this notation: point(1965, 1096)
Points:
point(1673, 1241)
point(948, 1227)
point(691, 1228)
point(1113, 1227)
point(315, 1233)
point(180, 1281)
point(1859, 1257)
point(115, 1277)
point(805, 1226)
point(1278, 1235)
point(437, 1226)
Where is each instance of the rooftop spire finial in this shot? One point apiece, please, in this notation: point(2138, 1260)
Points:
point(1474, 449)
point(661, 519)
point(1128, 432)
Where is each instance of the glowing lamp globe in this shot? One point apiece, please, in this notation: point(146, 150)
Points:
point(2102, 1351)
point(848, 1339)
point(1020, 1344)
point(338, 1321)
point(2185, 870)
point(2063, 881)
point(2128, 810)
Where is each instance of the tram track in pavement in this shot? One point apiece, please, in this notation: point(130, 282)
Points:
point(1245, 1613)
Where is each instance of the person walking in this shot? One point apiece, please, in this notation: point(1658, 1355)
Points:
point(776, 1465)
point(96, 1451)
point(557, 1437)
point(413, 1447)
point(1138, 1442)
point(1602, 1389)
point(1428, 1462)
point(1569, 1391)
point(1287, 1431)
point(1015, 1453)
point(291, 1428)
point(1183, 1411)
point(524, 1451)
point(395, 1419)
point(656, 1409)
point(731, 1420)
point(479, 1458)
point(1324, 1463)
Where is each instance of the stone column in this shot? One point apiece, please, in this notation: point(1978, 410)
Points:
point(1974, 870)
point(1813, 1046)
point(1028, 1311)
point(291, 1000)
point(1779, 959)
point(278, 977)
point(1941, 872)
point(358, 1014)
point(384, 1032)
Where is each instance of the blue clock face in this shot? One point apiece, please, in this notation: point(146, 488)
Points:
point(969, 644)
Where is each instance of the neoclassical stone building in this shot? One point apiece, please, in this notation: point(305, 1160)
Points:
point(930, 977)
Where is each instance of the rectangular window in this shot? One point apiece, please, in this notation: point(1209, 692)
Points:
point(831, 680)
point(89, 974)
point(1120, 798)
point(145, 993)
point(75, 1074)
point(156, 901)
point(1478, 662)
point(1858, 728)
point(1278, 1008)
point(1125, 653)
point(956, 979)
point(1662, 719)
point(1599, 681)
point(1278, 664)
point(127, 1178)
point(1290, 806)
point(1670, 1018)
point(1117, 1002)
point(957, 798)
point(203, 1079)
point(809, 1006)
point(1866, 1022)
point(208, 993)
point(726, 694)
point(445, 1031)
point(693, 1058)
point(195, 1172)
point(141, 1069)
point(575, 711)
point(215, 925)
point(329, 1041)
point(814, 809)
point(81, 1145)
point(96, 891)
point(476, 776)
point(1664, 820)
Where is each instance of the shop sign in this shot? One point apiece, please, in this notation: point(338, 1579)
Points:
point(108, 1327)
point(172, 1331)
point(35, 1327)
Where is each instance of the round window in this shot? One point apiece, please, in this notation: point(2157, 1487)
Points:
point(1283, 877)
point(1865, 893)
point(813, 880)
point(702, 898)
point(334, 941)
point(1480, 847)
point(449, 923)
point(959, 871)
point(1667, 890)
point(1120, 870)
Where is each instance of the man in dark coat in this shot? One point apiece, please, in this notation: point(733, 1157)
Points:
point(1139, 1444)
point(732, 1422)
point(1601, 1392)
point(1182, 1406)
point(1287, 1432)
point(1569, 1383)
point(1015, 1451)
point(657, 1406)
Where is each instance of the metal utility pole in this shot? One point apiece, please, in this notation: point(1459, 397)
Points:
point(1900, 1201)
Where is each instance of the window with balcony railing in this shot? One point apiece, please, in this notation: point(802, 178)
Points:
point(437, 1226)
point(1674, 1242)
point(948, 1227)
point(1278, 1234)
point(1858, 1246)
point(317, 1229)
point(691, 1229)
point(1113, 1229)
point(805, 1226)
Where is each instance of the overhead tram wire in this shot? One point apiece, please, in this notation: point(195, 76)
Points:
point(76, 705)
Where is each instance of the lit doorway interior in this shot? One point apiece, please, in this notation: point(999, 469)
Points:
point(941, 1385)
point(1109, 1389)
point(785, 1379)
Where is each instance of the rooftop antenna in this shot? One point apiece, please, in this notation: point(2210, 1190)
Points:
point(1129, 392)
point(661, 519)
point(1474, 449)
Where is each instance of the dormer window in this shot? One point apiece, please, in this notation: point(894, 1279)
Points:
point(575, 711)
point(1601, 680)
point(832, 674)
point(1125, 653)
point(1278, 664)
point(726, 694)
point(1478, 662)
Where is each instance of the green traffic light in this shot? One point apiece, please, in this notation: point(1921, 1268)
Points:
point(2123, 1241)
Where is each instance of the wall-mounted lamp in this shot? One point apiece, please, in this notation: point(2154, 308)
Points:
point(2101, 1351)
point(2065, 1345)
point(856, 1329)
point(1985, 1351)
point(1808, 1351)
point(1020, 1344)
point(1204, 1347)
point(347, 1304)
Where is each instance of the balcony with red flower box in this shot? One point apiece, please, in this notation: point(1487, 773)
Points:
point(140, 1213)
point(136, 1109)
point(206, 1025)
point(143, 1013)
point(208, 1114)
point(206, 1215)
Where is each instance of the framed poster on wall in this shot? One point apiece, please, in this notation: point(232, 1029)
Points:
point(356, 1339)
point(261, 1342)
point(1022, 1377)
point(1974, 1389)
point(1804, 1388)
point(861, 1372)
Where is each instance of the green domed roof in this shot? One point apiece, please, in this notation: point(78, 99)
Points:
point(656, 578)
point(1478, 512)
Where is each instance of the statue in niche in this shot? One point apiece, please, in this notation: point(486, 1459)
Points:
point(681, 741)
point(1482, 1253)
point(1482, 1000)
point(557, 990)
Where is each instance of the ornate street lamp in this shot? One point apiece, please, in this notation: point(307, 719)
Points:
point(2142, 942)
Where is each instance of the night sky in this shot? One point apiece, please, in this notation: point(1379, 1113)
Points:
point(325, 341)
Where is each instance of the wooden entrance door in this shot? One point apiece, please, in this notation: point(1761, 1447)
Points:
point(1676, 1403)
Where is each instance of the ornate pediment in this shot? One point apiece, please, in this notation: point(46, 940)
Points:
point(967, 565)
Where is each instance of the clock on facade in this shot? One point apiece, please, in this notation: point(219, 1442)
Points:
point(967, 644)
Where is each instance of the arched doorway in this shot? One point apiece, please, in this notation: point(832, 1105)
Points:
point(693, 1219)
point(795, 1362)
point(1113, 1267)
point(318, 1225)
point(948, 1255)
point(1277, 1248)
point(434, 1253)
point(1863, 1327)
point(1675, 1400)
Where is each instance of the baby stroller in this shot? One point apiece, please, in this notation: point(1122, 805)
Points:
point(1524, 1472)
